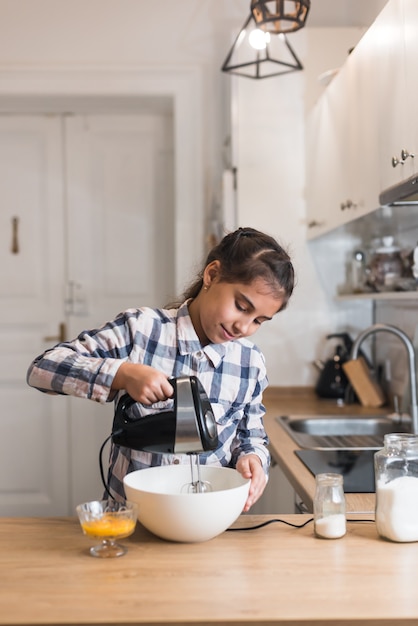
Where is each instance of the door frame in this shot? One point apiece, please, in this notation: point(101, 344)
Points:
point(67, 90)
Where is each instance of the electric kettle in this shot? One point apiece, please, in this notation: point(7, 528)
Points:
point(189, 428)
point(332, 381)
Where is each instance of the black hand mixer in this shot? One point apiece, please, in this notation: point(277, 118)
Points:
point(189, 428)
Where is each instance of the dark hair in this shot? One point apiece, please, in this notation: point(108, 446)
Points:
point(245, 255)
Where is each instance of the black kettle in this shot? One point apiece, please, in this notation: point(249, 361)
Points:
point(332, 381)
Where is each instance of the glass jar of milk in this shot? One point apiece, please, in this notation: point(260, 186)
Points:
point(396, 477)
point(329, 506)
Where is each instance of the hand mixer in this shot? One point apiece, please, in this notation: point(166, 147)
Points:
point(189, 428)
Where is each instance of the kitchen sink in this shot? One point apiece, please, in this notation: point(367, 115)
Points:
point(343, 431)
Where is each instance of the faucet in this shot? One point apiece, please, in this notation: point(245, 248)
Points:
point(371, 330)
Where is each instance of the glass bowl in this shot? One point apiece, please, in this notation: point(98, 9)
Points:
point(108, 521)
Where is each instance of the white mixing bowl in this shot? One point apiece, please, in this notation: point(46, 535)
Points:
point(187, 517)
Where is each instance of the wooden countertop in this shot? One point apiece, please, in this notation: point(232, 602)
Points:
point(275, 575)
point(303, 401)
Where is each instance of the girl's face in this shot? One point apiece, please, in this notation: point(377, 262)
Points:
point(227, 311)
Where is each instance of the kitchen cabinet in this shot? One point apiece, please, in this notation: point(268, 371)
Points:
point(363, 132)
point(279, 497)
point(325, 176)
point(411, 71)
point(343, 172)
point(394, 44)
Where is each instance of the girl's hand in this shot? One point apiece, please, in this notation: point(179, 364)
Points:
point(249, 466)
point(143, 383)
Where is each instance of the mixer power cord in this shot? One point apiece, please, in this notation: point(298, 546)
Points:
point(282, 521)
point(273, 521)
point(102, 475)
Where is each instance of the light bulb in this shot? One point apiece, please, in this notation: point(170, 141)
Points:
point(258, 39)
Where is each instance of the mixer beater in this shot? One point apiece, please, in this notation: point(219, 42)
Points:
point(197, 485)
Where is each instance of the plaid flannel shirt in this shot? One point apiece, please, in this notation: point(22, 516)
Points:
point(233, 375)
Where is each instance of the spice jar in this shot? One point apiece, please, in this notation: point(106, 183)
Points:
point(396, 476)
point(358, 271)
point(329, 506)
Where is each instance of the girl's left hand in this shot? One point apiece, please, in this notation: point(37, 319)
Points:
point(249, 466)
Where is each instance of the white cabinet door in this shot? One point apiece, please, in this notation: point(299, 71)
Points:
point(34, 445)
point(328, 167)
point(411, 72)
point(321, 150)
point(343, 149)
point(342, 164)
point(395, 34)
point(362, 129)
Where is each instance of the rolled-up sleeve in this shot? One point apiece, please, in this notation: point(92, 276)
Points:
point(86, 366)
point(251, 437)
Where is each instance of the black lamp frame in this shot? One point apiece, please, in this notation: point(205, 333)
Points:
point(261, 57)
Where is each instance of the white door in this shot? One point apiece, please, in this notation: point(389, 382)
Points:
point(33, 427)
point(87, 212)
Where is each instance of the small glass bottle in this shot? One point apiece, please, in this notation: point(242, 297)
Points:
point(358, 271)
point(329, 506)
point(396, 478)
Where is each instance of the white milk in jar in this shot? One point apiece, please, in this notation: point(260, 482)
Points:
point(396, 474)
point(329, 506)
point(397, 509)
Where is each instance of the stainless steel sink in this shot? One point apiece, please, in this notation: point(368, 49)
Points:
point(342, 431)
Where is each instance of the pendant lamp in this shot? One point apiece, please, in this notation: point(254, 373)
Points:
point(258, 54)
point(280, 16)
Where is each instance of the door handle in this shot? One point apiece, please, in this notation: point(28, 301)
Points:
point(62, 334)
point(15, 235)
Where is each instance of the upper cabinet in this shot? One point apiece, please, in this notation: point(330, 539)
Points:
point(394, 41)
point(363, 131)
point(410, 30)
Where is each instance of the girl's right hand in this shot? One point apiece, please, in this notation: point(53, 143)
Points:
point(143, 383)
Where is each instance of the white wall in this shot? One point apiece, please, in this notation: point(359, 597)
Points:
point(270, 126)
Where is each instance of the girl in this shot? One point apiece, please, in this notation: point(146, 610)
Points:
point(246, 280)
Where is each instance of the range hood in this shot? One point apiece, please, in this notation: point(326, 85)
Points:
point(402, 194)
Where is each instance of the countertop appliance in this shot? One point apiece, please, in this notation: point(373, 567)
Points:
point(189, 428)
point(356, 466)
point(332, 381)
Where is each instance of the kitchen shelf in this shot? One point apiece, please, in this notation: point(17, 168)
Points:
point(385, 295)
